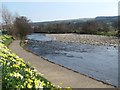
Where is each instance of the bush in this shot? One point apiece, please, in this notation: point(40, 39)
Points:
point(22, 27)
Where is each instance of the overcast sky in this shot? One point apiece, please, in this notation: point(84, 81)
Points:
point(59, 10)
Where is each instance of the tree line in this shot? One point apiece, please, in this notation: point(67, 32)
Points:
point(88, 27)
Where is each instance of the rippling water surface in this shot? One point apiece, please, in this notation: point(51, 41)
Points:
point(99, 62)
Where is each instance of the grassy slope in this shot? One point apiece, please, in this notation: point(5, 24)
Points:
point(8, 41)
point(11, 67)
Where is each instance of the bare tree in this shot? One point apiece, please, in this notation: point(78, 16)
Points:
point(7, 19)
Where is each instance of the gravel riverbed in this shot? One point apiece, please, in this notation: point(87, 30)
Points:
point(85, 39)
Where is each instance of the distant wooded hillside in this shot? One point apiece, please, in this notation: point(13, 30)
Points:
point(99, 25)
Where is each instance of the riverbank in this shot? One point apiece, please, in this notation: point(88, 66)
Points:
point(85, 39)
point(16, 72)
point(56, 73)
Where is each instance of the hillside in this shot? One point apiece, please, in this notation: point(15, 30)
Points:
point(99, 18)
point(97, 25)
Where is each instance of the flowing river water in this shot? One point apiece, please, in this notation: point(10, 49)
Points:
point(98, 62)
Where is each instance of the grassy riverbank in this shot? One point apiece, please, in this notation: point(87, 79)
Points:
point(15, 72)
point(5, 39)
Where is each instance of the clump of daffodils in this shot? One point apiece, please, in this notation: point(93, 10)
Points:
point(16, 73)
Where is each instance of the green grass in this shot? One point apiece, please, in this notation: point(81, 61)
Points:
point(110, 33)
point(8, 41)
point(5, 39)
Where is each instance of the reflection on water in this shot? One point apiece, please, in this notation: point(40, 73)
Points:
point(100, 62)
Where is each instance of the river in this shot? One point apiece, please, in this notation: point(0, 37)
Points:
point(98, 62)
